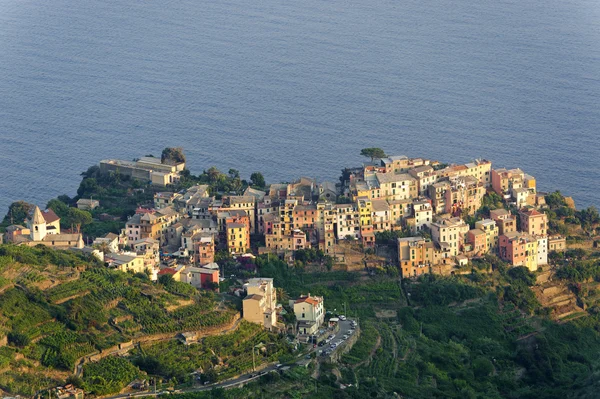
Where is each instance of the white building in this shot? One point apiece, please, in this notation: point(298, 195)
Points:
point(423, 214)
point(542, 250)
point(310, 313)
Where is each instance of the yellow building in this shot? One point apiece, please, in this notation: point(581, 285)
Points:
point(238, 238)
point(365, 210)
point(531, 254)
point(126, 263)
point(450, 234)
point(399, 210)
point(397, 186)
point(490, 229)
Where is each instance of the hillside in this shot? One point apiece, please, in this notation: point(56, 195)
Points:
point(57, 307)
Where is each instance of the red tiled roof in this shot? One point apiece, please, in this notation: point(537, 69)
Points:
point(167, 270)
point(309, 300)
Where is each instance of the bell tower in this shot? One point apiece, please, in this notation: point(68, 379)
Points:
point(38, 225)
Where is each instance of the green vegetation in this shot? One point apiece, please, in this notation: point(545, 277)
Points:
point(560, 215)
point(69, 216)
point(172, 155)
point(58, 306)
point(257, 180)
point(373, 152)
point(225, 355)
point(338, 287)
point(17, 214)
point(362, 349)
point(109, 375)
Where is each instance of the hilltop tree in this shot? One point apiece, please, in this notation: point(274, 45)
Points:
point(373, 153)
point(257, 179)
point(172, 155)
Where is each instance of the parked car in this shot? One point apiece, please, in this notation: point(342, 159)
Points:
point(342, 317)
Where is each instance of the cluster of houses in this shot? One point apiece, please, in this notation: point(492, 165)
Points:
point(394, 193)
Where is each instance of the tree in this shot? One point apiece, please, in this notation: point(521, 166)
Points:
point(328, 262)
point(166, 280)
point(172, 155)
point(234, 173)
point(60, 208)
point(77, 217)
point(18, 339)
point(213, 174)
point(555, 200)
point(257, 179)
point(88, 186)
point(17, 212)
point(373, 152)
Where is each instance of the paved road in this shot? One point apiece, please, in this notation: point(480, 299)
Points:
point(345, 326)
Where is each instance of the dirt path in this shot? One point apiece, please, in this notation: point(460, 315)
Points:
point(63, 300)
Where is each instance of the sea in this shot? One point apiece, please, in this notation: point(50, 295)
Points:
point(297, 88)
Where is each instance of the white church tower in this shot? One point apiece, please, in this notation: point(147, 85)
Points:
point(38, 225)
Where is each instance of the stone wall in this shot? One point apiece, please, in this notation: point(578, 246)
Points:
point(346, 346)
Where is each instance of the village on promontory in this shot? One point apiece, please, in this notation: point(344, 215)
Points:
point(150, 264)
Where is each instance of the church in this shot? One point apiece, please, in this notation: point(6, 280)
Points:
point(44, 229)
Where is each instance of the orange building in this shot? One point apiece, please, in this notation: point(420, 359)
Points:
point(204, 248)
point(416, 256)
point(478, 240)
point(533, 222)
point(305, 216)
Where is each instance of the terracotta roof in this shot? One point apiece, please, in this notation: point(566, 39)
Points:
point(532, 212)
point(167, 270)
point(308, 299)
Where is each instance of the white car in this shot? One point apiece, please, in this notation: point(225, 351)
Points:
point(342, 317)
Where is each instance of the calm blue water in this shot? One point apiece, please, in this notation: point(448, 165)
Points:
point(295, 88)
